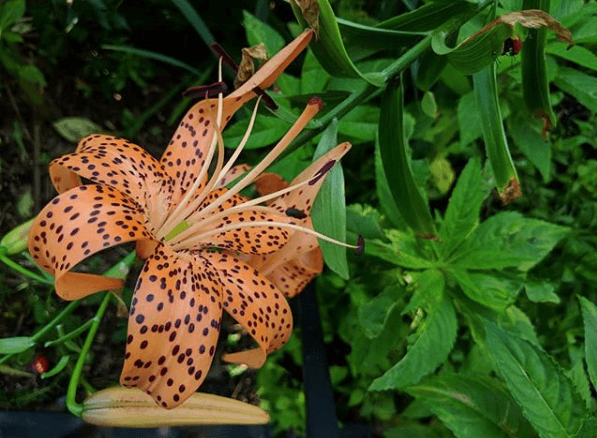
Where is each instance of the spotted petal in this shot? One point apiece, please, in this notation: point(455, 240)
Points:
point(255, 303)
point(77, 224)
point(174, 324)
point(302, 199)
point(187, 151)
point(247, 239)
point(118, 163)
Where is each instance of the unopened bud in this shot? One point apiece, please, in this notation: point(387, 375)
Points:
point(131, 407)
point(15, 240)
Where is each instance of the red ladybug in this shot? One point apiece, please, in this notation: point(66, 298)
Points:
point(512, 46)
point(40, 364)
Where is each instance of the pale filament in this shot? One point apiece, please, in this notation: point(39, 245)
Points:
point(236, 209)
point(190, 244)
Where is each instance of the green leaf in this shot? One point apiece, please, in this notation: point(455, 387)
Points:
point(589, 316)
point(397, 168)
point(329, 208)
point(373, 315)
point(473, 406)
point(535, 83)
point(383, 191)
point(31, 73)
point(375, 38)
point(193, 17)
point(538, 384)
point(429, 16)
point(329, 48)
point(494, 135)
point(16, 345)
point(576, 54)
point(152, 55)
point(488, 289)
point(259, 32)
point(313, 78)
point(266, 131)
point(360, 124)
point(469, 119)
point(429, 105)
point(364, 220)
point(402, 250)
point(462, 214)
point(532, 145)
point(435, 338)
point(508, 239)
point(579, 85)
point(10, 12)
point(541, 292)
point(74, 129)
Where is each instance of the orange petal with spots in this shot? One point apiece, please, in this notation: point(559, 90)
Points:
point(187, 150)
point(295, 265)
point(118, 163)
point(173, 328)
point(78, 224)
point(268, 183)
point(269, 72)
point(255, 303)
point(302, 198)
point(248, 240)
point(232, 174)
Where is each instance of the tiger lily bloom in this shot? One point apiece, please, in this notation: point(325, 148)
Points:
point(189, 229)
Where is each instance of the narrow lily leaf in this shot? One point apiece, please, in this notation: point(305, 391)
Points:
point(435, 338)
point(401, 182)
point(473, 406)
point(579, 85)
point(74, 129)
point(59, 367)
point(329, 48)
point(535, 86)
point(508, 239)
point(375, 38)
point(491, 290)
point(496, 144)
point(383, 191)
point(475, 53)
point(16, 345)
point(538, 384)
point(464, 208)
point(469, 119)
point(428, 17)
point(360, 124)
point(193, 17)
point(589, 315)
point(329, 208)
point(153, 55)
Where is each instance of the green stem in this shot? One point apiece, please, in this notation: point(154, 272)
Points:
point(406, 60)
point(10, 263)
point(71, 403)
point(49, 326)
point(75, 332)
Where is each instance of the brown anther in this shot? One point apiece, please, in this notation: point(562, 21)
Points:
point(360, 249)
point(321, 172)
point(205, 91)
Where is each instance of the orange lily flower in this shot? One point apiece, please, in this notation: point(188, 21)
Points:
point(189, 229)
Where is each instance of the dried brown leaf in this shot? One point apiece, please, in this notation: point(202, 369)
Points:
point(532, 19)
point(310, 11)
point(246, 69)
